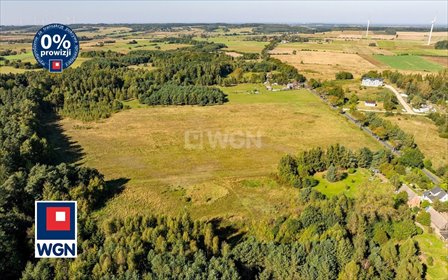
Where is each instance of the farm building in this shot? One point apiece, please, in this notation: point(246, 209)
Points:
point(372, 82)
point(423, 109)
point(293, 85)
point(435, 194)
point(439, 222)
point(370, 103)
point(413, 198)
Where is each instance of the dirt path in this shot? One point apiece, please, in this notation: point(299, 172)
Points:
point(401, 100)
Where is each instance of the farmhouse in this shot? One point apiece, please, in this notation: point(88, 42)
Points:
point(439, 222)
point(372, 82)
point(435, 194)
point(413, 198)
point(423, 109)
point(370, 103)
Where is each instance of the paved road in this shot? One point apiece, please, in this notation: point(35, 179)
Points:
point(436, 180)
point(402, 101)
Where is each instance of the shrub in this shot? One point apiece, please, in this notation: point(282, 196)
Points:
point(441, 45)
point(423, 218)
point(344, 75)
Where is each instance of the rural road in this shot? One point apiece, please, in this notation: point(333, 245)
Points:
point(402, 101)
point(436, 180)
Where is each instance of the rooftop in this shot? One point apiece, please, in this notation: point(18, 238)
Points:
point(440, 220)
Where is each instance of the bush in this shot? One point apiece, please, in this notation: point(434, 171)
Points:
point(412, 157)
point(441, 45)
point(332, 174)
point(344, 75)
point(423, 218)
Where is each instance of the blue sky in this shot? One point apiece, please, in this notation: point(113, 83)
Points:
point(379, 12)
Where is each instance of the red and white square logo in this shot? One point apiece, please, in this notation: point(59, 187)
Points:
point(58, 218)
point(56, 65)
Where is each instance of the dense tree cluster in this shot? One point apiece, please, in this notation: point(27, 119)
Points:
point(149, 247)
point(170, 94)
point(97, 88)
point(338, 238)
point(441, 120)
point(299, 170)
point(328, 239)
point(386, 130)
point(25, 175)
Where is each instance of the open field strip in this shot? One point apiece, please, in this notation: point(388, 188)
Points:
point(237, 43)
point(324, 65)
point(409, 62)
point(426, 136)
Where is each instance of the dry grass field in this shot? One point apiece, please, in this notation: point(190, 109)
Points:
point(426, 137)
point(324, 65)
point(442, 60)
point(146, 145)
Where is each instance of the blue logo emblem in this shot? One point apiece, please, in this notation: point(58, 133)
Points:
point(55, 47)
point(55, 229)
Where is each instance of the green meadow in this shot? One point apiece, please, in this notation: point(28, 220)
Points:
point(408, 62)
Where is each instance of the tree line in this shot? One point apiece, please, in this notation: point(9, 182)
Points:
point(97, 88)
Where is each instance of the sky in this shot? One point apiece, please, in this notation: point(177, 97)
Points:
point(380, 12)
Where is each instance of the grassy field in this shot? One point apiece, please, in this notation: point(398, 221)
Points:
point(431, 246)
point(409, 62)
point(237, 43)
point(335, 45)
point(349, 186)
point(426, 136)
point(146, 145)
point(123, 46)
point(412, 47)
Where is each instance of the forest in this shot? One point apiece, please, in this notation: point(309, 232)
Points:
point(97, 88)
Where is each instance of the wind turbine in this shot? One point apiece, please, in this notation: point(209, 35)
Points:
point(430, 32)
point(367, 31)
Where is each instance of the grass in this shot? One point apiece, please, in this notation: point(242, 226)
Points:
point(431, 246)
point(10, 69)
point(237, 43)
point(147, 146)
point(337, 45)
point(411, 47)
point(348, 186)
point(122, 46)
point(25, 57)
point(409, 62)
point(426, 136)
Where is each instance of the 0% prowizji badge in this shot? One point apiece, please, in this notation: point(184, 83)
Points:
point(55, 47)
